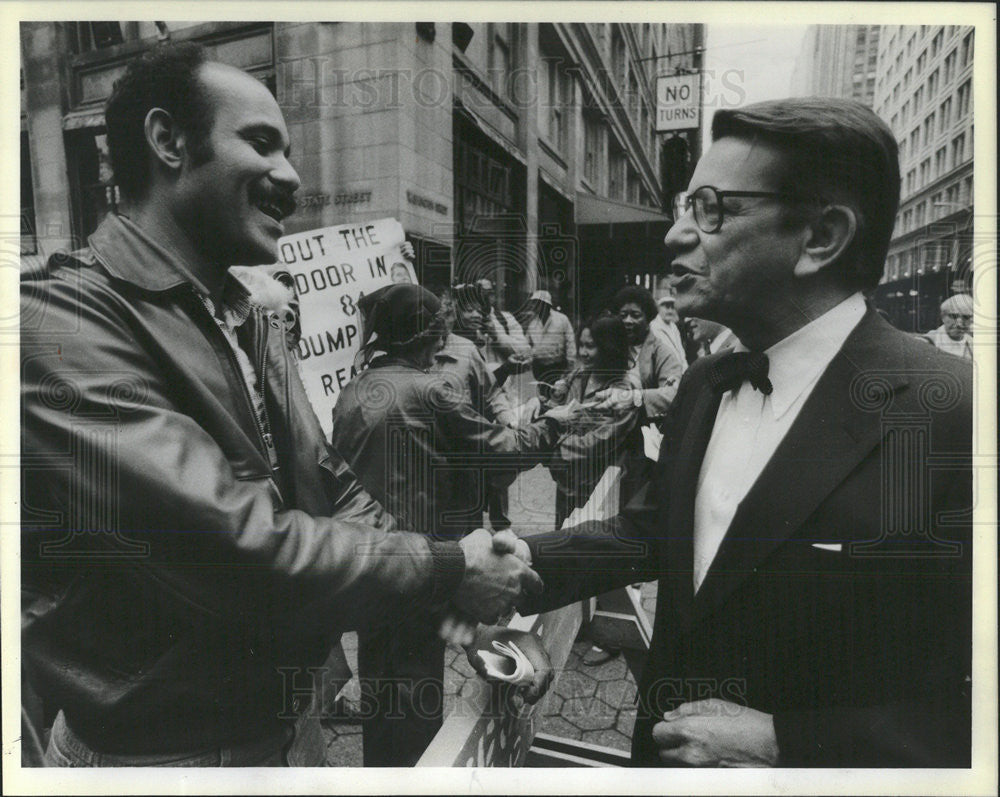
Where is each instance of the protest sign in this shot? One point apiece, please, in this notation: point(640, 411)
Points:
point(333, 268)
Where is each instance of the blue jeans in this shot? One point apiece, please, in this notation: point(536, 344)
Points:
point(66, 749)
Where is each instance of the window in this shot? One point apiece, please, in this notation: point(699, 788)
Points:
point(914, 141)
point(936, 43)
point(553, 100)
point(920, 216)
point(904, 112)
point(929, 129)
point(616, 173)
point(633, 96)
point(940, 161)
point(593, 151)
point(500, 58)
point(618, 57)
point(633, 186)
point(958, 150)
point(921, 62)
point(911, 181)
point(937, 206)
point(918, 99)
point(932, 84)
point(967, 191)
point(967, 48)
point(949, 66)
point(964, 99)
point(925, 171)
point(906, 78)
point(945, 115)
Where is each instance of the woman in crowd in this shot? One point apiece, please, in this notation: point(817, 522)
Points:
point(658, 368)
point(417, 446)
point(550, 335)
point(593, 441)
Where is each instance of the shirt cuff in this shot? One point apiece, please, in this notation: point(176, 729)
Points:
point(447, 569)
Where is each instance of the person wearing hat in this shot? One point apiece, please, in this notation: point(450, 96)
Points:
point(553, 344)
point(464, 355)
point(953, 335)
point(409, 434)
point(507, 351)
point(665, 326)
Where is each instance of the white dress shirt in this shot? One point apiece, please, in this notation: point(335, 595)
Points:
point(749, 425)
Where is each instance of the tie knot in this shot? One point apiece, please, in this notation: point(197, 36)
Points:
point(733, 369)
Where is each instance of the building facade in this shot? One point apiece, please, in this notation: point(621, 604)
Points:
point(924, 92)
point(521, 152)
point(838, 61)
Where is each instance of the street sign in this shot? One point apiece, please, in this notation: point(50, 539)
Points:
point(678, 102)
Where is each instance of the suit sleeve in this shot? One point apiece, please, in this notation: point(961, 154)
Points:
point(157, 483)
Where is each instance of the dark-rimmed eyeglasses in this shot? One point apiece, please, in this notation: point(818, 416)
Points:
point(707, 204)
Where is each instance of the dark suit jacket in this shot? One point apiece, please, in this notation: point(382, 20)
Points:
point(862, 653)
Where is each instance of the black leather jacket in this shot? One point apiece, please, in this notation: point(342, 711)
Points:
point(175, 585)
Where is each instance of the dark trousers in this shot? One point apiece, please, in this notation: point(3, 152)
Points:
point(401, 670)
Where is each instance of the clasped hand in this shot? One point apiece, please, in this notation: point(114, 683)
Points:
point(497, 576)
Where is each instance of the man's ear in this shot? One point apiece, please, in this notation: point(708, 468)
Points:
point(165, 139)
point(829, 234)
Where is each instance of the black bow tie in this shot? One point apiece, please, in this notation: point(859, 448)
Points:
point(733, 369)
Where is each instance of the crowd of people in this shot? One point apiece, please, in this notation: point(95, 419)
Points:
point(189, 572)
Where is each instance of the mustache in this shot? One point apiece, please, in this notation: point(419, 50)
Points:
point(279, 197)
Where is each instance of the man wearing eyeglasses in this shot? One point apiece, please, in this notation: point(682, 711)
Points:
point(814, 603)
point(953, 335)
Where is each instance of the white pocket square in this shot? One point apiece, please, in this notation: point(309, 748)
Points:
point(829, 546)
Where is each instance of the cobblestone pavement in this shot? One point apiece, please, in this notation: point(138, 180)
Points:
point(593, 704)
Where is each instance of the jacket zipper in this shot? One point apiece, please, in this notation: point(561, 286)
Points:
point(264, 324)
point(262, 440)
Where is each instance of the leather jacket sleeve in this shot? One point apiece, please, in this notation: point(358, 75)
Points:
point(164, 498)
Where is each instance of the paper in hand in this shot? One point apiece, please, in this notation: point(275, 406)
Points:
point(508, 664)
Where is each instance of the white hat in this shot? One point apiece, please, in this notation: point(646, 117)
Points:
point(542, 296)
point(667, 299)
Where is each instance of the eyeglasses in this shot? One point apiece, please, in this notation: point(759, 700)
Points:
point(707, 204)
point(958, 317)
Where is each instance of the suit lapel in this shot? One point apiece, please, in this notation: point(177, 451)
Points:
point(830, 436)
point(683, 484)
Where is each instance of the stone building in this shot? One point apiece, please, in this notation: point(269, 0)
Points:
point(838, 61)
point(523, 152)
point(925, 93)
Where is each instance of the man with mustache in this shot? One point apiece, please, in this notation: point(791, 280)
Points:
point(809, 517)
point(192, 548)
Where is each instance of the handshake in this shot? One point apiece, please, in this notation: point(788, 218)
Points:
point(497, 579)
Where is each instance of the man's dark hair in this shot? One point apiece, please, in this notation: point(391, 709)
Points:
point(635, 294)
point(164, 77)
point(838, 151)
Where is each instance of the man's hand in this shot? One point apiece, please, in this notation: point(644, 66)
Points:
point(529, 644)
point(716, 733)
point(457, 627)
point(406, 248)
point(493, 582)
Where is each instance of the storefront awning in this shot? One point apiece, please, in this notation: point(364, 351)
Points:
point(592, 209)
point(79, 120)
